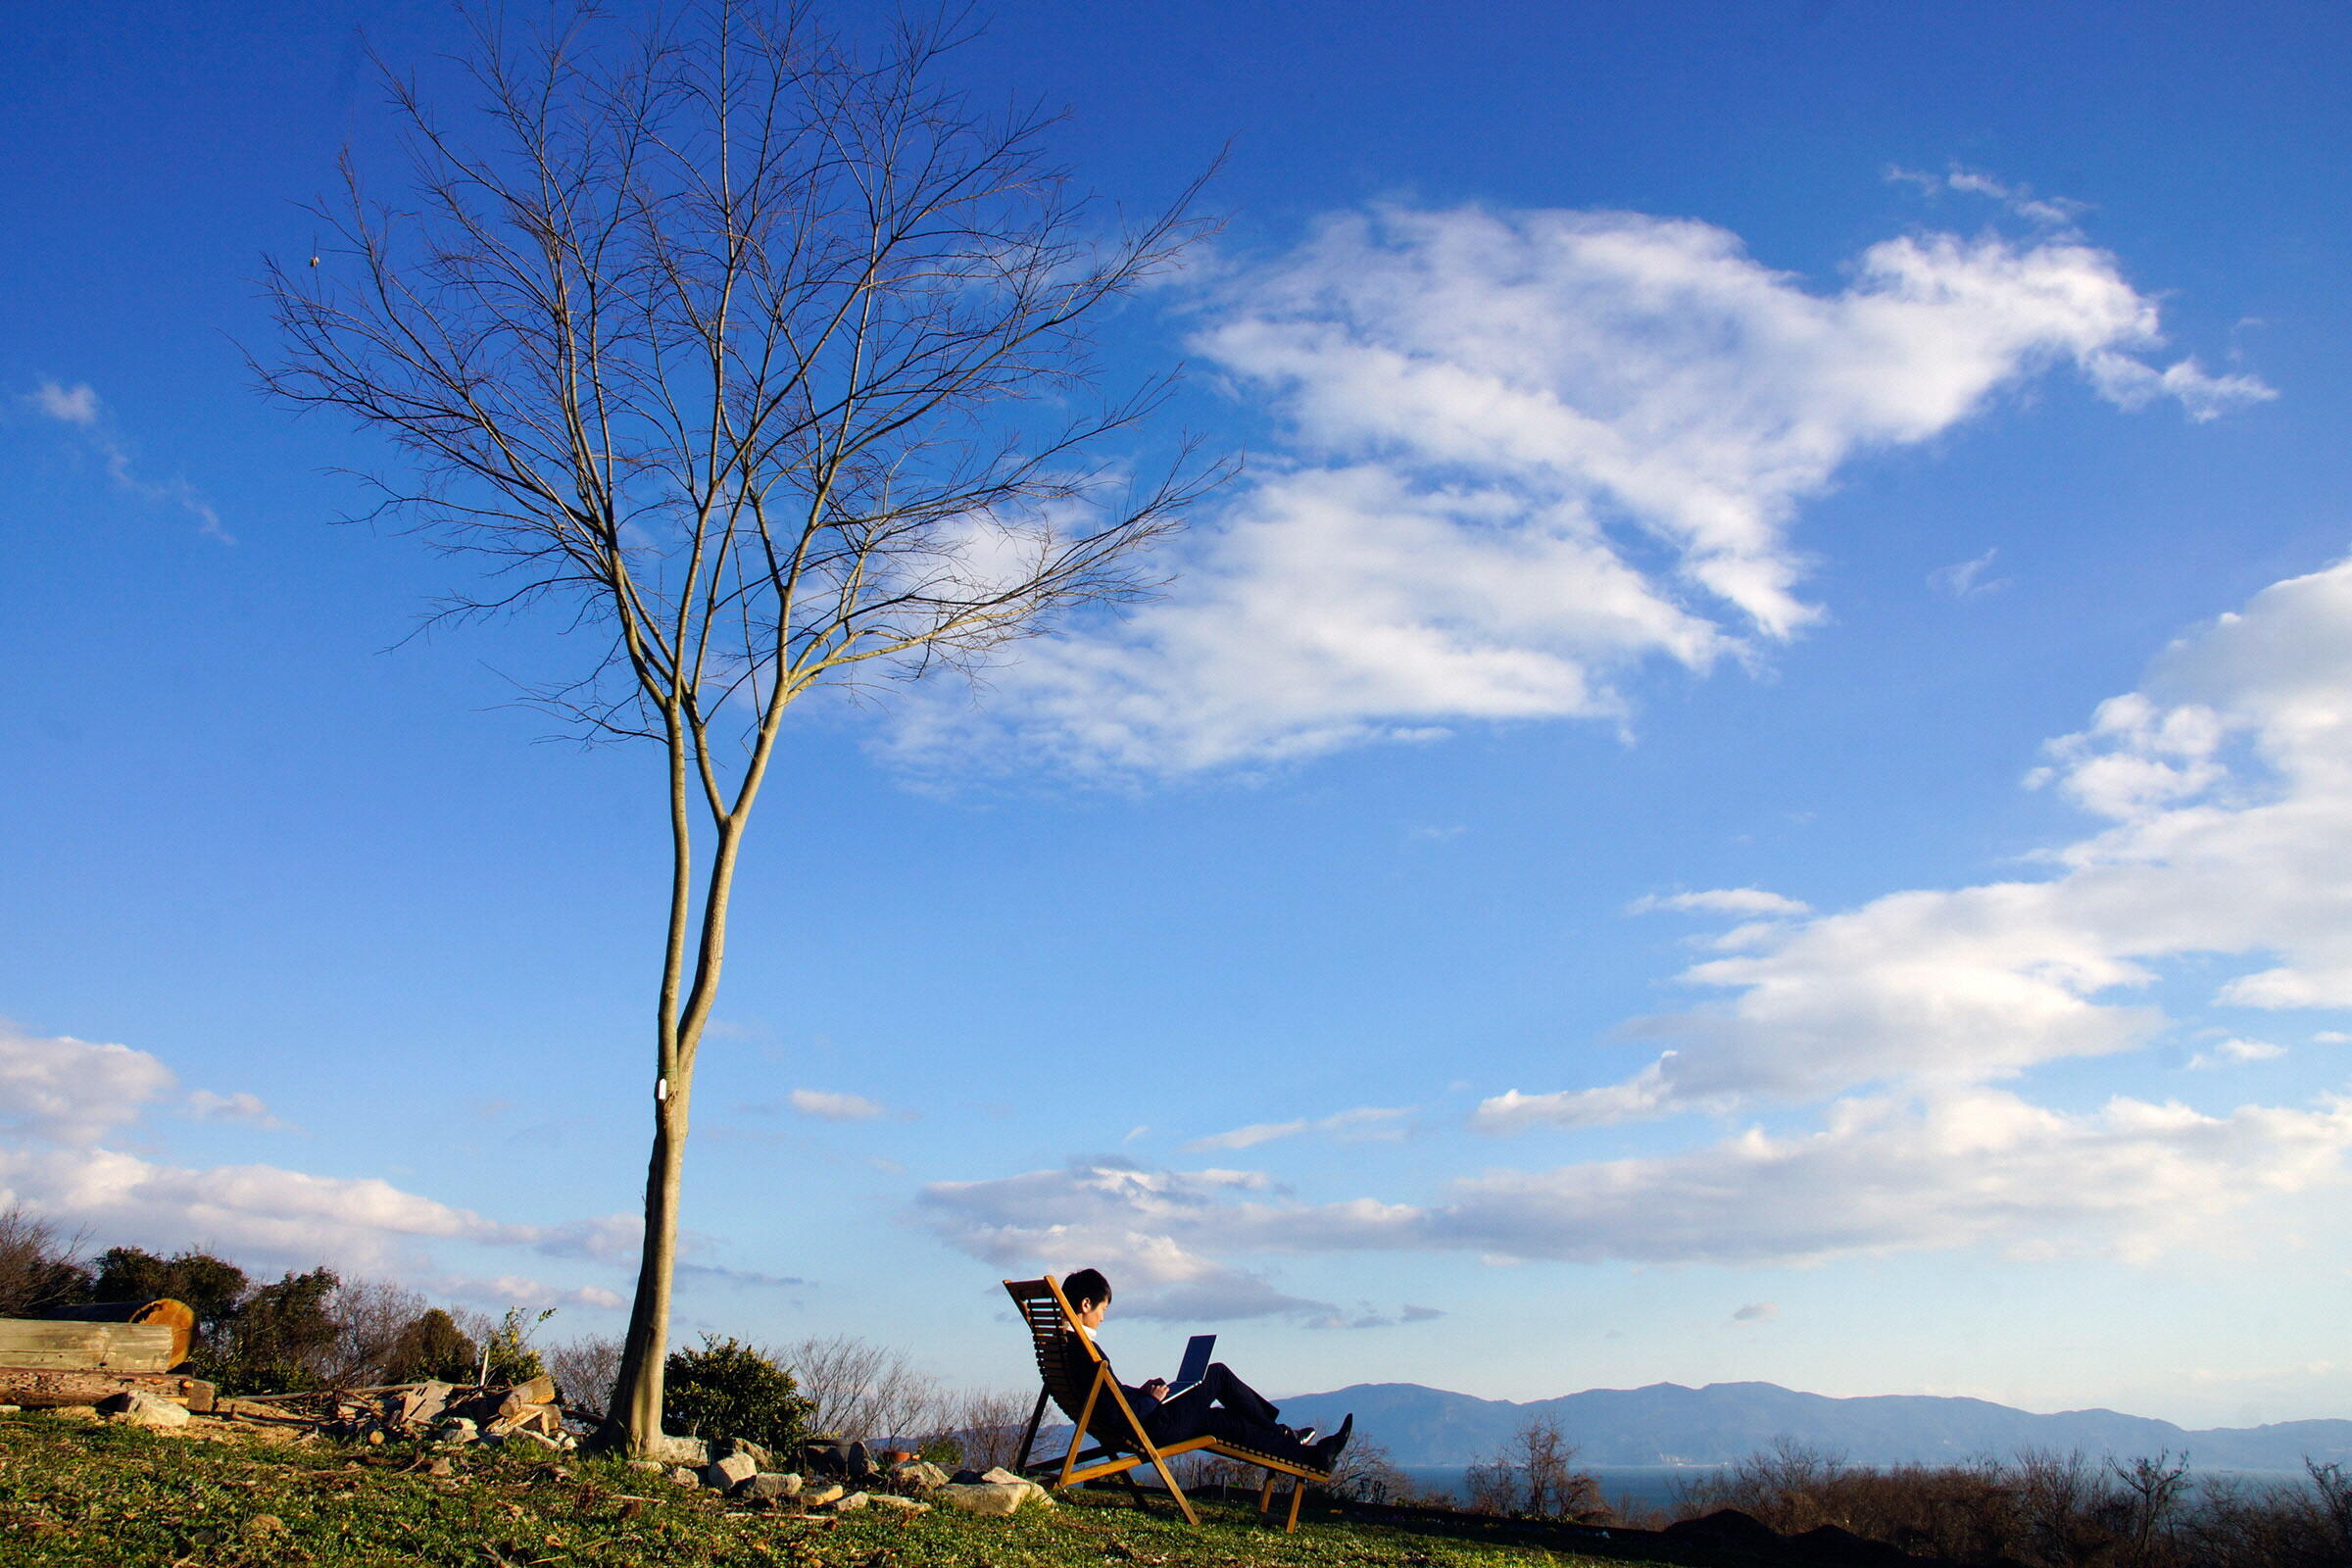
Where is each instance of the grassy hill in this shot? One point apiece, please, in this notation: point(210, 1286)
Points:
point(74, 1493)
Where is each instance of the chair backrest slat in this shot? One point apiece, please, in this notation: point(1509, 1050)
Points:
point(1066, 1358)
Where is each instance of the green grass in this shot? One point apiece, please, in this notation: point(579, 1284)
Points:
point(77, 1493)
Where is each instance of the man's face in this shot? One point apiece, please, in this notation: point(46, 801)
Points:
point(1090, 1313)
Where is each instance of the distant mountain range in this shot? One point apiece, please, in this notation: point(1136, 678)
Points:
point(1666, 1423)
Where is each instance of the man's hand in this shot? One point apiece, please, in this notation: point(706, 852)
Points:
point(1157, 1387)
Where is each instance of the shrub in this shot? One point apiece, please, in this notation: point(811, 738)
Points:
point(280, 1338)
point(507, 1356)
point(210, 1287)
point(727, 1388)
point(431, 1346)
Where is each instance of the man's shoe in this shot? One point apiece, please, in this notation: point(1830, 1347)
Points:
point(1330, 1448)
point(1302, 1435)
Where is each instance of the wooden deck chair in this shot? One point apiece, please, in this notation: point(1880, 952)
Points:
point(1078, 1379)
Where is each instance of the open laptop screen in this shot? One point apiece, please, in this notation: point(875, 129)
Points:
point(1196, 1352)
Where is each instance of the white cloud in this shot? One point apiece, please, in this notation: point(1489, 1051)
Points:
point(2224, 786)
point(1966, 579)
point(828, 1106)
point(59, 1098)
point(257, 1210)
point(80, 405)
point(519, 1290)
point(1365, 1121)
point(1249, 1137)
point(74, 404)
point(2237, 1050)
point(2227, 786)
point(1123, 1219)
point(2051, 211)
point(1881, 1174)
point(1721, 900)
point(1756, 1312)
point(72, 1091)
point(1529, 451)
point(206, 1106)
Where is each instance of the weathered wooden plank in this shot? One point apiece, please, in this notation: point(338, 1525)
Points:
point(178, 1317)
point(87, 1346)
point(38, 1389)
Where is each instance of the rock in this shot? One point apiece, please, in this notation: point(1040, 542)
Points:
point(919, 1476)
point(414, 1407)
point(883, 1499)
point(143, 1410)
point(685, 1477)
point(1728, 1527)
point(729, 1448)
point(456, 1431)
point(837, 1457)
point(1001, 1477)
point(650, 1466)
point(1831, 1544)
point(693, 1452)
point(848, 1504)
point(769, 1486)
point(725, 1475)
point(441, 1468)
point(535, 1440)
point(266, 1524)
point(816, 1496)
point(996, 1499)
point(12, 1409)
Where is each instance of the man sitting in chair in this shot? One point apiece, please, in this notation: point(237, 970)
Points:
point(1221, 1405)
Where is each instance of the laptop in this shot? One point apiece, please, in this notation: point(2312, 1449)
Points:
point(1196, 1352)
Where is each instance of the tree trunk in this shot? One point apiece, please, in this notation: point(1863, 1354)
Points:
point(635, 1418)
point(38, 1388)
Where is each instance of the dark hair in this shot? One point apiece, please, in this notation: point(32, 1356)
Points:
point(1087, 1285)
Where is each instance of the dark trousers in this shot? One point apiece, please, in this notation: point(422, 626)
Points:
point(1222, 1406)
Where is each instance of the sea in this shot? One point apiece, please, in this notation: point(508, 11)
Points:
point(1641, 1487)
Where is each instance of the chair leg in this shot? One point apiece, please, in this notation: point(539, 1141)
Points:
point(1029, 1437)
point(1167, 1479)
point(1298, 1495)
point(1265, 1495)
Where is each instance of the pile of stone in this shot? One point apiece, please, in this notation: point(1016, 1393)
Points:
point(745, 1473)
point(449, 1414)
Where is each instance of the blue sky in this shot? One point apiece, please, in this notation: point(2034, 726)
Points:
point(1752, 783)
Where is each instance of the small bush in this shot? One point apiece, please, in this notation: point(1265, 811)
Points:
point(727, 1388)
point(431, 1346)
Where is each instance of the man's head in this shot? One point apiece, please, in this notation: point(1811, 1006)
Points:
point(1088, 1293)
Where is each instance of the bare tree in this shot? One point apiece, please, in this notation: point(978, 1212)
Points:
point(763, 361)
point(37, 1267)
point(585, 1370)
point(864, 1390)
point(1534, 1474)
point(369, 1316)
point(987, 1423)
